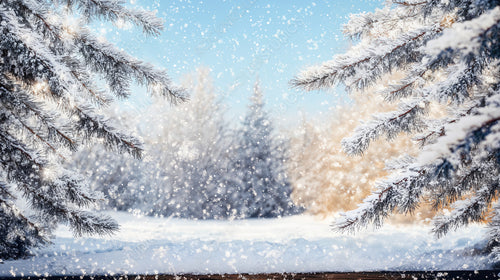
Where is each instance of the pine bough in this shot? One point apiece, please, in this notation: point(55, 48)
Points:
point(50, 105)
point(449, 54)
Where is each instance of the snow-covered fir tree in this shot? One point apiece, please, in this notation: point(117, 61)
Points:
point(191, 147)
point(263, 186)
point(51, 93)
point(448, 54)
point(186, 158)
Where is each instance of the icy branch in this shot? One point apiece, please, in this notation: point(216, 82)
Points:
point(113, 10)
point(466, 211)
point(466, 37)
point(359, 68)
point(406, 119)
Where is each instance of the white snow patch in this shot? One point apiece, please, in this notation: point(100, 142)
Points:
point(147, 245)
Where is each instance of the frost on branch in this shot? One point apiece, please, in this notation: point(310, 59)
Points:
point(405, 119)
point(53, 77)
point(454, 63)
point(364, 64)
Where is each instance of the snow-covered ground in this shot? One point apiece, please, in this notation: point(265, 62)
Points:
point(147, 245)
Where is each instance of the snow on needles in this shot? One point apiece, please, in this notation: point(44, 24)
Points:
point(464, 35)
point(457, 132)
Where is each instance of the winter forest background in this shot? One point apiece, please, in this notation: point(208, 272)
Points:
point(402, 123)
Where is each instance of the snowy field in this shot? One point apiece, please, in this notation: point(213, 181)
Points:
point(147, 245)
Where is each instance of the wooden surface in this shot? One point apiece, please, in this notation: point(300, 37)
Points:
point(483, 275)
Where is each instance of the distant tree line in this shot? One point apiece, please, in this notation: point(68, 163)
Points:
point(196, 165)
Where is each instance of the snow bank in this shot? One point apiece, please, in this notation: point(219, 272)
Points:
point(147, 245)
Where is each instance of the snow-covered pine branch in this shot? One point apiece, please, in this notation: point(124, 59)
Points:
point(466, 211)
point(24, 105)
point(93, 126)
point(376, 54)
point(55, 72)
point(440, 168)
point(401, 191)
point(21, 233)
point(406, 119)
point(112, 10)
point(361, 67)
point(381, 21)
point(456, 66)
point(115, 65)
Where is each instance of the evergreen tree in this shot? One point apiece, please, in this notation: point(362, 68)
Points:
point(191, 148)
point(448, 52)
point(187, 152)
point(263, 187)
point(50, 104)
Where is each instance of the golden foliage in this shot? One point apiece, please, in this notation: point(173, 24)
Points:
point(448, 20)
point(326, 180)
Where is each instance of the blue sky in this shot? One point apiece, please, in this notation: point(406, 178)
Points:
point(240, 40)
